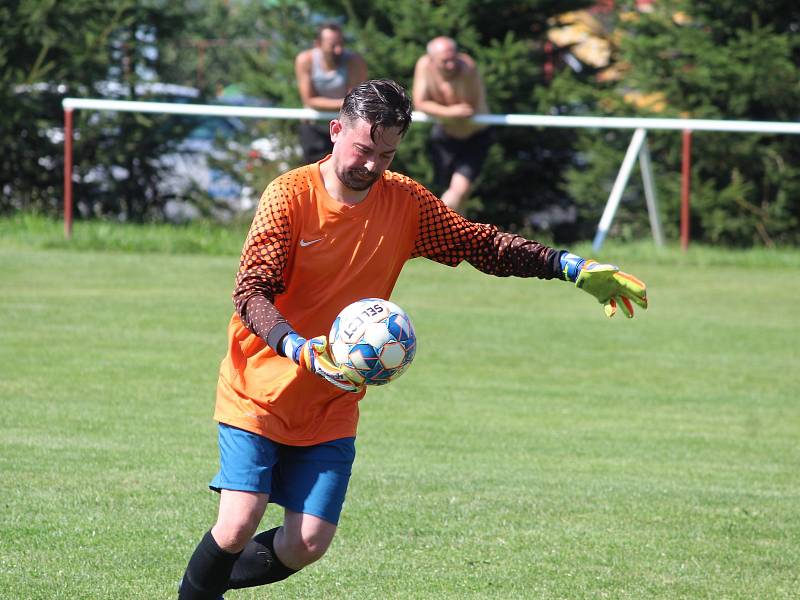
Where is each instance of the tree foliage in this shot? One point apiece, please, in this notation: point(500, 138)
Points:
point(83, 48)
point(711, 60)
point(703, 59)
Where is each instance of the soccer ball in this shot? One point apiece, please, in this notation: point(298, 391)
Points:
point(372, 341)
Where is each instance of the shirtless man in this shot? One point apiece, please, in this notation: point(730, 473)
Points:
point(325, 73)
point(448, 86)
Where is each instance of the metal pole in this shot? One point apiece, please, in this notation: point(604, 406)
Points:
point(686, 176)
point(510, 120)
point(68, 173)
point(650, 194)
point(619, 186)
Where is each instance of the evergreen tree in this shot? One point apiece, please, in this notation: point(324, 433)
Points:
point(48, 51)
point(52, 50)
point(713, 60)
point(697, 58)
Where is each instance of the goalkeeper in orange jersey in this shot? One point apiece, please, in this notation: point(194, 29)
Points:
point(323, 236)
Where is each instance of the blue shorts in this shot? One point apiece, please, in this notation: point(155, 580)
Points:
point(305, 479)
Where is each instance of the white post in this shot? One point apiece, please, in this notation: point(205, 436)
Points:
point(619, 186)
point(650, 194)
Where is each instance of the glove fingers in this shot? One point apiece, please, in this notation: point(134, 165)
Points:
point(635, 281)
point(314, 357)
point(640, 300)
point(319, 344)
point(632, 288)
point(343, 384)
point(306, 357)
point(610, 308)
point(311, 351)
point(334, 374)
point(627, 307)
point(612, 288)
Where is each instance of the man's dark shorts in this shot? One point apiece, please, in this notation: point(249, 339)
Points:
point(452, 155)
point(315, 140)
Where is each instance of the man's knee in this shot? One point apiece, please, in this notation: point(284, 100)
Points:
point(302, 550)
point(303, 539)
point(232, 535)
point(239, 516)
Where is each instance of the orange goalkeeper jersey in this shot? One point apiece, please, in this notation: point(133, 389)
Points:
point(311, 256)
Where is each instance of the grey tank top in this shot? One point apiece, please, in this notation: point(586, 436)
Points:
point(329, 84)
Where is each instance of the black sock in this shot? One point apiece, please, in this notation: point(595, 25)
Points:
point(258, 563)
point(209, 568)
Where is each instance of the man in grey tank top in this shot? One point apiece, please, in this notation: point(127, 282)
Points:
point(325, 73)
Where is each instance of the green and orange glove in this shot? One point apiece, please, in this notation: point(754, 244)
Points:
point(313, 356)
point(612, 288)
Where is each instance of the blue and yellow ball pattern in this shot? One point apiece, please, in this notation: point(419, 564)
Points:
point(373, 341)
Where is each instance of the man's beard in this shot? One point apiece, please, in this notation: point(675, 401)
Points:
point(357, 179)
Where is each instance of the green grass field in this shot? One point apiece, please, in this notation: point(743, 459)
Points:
point(534, 450)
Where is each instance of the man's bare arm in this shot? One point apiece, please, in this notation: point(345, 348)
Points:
point(356, 71)
point(302, 71)
point(421, 95)
point(477, 91)
point(424, 101)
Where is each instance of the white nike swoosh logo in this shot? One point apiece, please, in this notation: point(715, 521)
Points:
point(305, 243)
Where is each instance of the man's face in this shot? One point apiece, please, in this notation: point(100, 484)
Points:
point(331, 43)
point(358, 160)
point(445, 58)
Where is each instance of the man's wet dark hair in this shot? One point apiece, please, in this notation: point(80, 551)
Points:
point(381, 103)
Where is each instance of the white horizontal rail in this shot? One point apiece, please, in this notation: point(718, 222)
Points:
point(638, 123)
point(214, 110)
point(499, 119)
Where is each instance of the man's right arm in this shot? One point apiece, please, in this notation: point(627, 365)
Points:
point(264, 258)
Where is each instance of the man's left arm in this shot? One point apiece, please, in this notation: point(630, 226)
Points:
point(477, 90)
point(448, 238)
